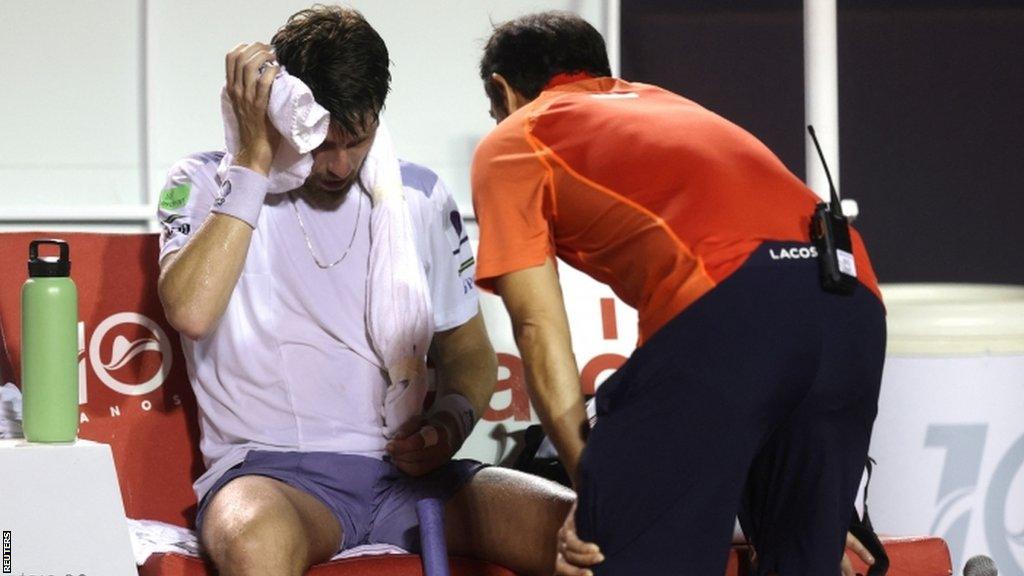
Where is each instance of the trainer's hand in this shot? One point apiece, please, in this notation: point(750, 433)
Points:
point(248, 84)
point(854, 545)
point(419, 447)
point(574, 555)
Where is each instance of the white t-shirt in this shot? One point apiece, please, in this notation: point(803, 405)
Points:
point(290, 366)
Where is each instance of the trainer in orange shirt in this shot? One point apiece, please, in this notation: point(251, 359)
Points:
point(745, 363)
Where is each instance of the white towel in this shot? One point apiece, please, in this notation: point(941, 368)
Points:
point(398, 314)
point(154, 537)
point(301, 121)
point(10, 412)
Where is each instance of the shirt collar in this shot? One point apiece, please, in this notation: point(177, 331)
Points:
point(566, 78)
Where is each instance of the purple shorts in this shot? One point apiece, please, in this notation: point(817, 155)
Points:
point(373, 500)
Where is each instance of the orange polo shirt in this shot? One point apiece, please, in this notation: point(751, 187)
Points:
point(637, 187)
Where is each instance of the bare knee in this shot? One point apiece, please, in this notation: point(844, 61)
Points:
point(249, 529)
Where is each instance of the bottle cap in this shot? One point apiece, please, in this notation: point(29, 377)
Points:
point(49, 267)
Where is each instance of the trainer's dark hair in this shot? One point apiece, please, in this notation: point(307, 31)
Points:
point(342, 59)
point(530, 50)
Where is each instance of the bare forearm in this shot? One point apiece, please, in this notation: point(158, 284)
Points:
point(196, 282)
point(473, 376)
point(553, 382)
point(533, 297)
point(466, 364)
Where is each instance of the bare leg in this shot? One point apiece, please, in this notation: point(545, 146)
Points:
point(260, 526)
point(510, 518)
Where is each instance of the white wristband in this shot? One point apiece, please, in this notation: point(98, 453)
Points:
point(461, 411)
point(242, 194)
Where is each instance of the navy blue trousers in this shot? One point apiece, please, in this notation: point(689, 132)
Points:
point(757, 400)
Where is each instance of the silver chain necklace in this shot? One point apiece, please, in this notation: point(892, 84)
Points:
point(309, 243)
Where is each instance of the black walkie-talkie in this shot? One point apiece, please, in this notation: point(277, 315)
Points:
point(830, 233)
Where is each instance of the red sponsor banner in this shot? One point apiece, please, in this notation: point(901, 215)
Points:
point(604, 334)
point(136, 396)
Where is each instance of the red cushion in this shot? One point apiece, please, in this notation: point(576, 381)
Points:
point(918, 556)
point(908, 557)
point(914, 556)
point(391, 565)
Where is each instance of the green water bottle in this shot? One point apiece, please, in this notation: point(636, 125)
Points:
point(49, 347)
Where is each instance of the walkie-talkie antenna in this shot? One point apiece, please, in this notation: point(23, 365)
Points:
point(836, 205)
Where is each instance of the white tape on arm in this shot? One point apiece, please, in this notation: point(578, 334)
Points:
point(429, 435)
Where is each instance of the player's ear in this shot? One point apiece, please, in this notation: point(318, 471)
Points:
point(514, 100)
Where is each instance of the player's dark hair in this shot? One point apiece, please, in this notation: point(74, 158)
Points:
point(342, 59)
point(530, 50)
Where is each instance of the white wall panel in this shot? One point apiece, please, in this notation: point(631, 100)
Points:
point(70, 92)
point(187, 45)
